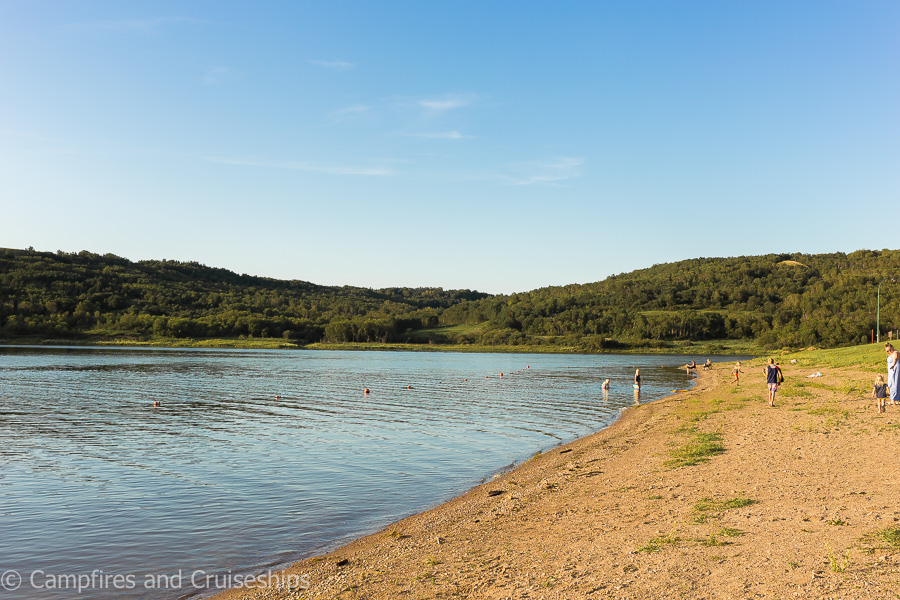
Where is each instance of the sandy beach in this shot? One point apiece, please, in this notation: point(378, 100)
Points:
point(795, 501)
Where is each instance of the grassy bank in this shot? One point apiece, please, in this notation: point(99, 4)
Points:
point(706, 348)
point(153, 342)
point(712, 348)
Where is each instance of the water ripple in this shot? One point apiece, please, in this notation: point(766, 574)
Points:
point(261, 456)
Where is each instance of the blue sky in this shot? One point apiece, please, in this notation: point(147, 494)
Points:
point(499, 146)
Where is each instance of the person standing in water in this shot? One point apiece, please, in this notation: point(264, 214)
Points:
point(772, 372)
point(893, 367)
point(637, 379)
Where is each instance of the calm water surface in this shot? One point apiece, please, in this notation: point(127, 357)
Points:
point(223, 477)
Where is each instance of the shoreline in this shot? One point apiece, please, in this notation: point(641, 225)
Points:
point(738, 347)
point(793, 503)
point(290, 572)
point(330, 548)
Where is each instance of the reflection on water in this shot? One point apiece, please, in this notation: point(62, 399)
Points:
point(224, 475)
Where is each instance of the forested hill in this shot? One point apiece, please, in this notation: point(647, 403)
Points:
point(68, 294)
point(778, 299)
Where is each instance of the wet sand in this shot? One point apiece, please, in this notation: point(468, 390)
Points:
point(788, 509)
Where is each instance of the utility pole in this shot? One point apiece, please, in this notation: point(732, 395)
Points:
point(878, 310)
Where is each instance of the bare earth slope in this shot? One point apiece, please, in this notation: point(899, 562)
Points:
point(789, 508)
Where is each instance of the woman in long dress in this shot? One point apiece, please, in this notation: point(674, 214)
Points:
point(893, 379)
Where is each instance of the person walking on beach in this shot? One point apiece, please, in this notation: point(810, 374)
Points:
point(736, 373)
point(880, 393)
point(773, 375)
point(893, 366)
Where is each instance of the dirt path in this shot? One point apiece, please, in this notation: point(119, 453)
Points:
point(786, 509)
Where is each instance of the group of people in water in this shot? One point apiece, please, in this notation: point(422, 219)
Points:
point(637, 381)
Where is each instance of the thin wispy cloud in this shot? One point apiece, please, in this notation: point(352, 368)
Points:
point(302, 166)
point(446, 103)
point(216, 75)
point(350, 112)
point(148, 25)
point(339, 65)
point(546, 172)
point(441, 135)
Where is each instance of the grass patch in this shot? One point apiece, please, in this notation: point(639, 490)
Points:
point(829, 412)
point(835, 416)
point(866, 356)
point(166, 342)
point(837, 565)
point(656, 544)
point(395, 535)
point(816, 384)
point(700, 415)
point(712, 541)
point(697, 450)
point(709, 508)
point(889, 536)
point(794, 392)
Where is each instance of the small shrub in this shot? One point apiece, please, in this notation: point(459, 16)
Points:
point(890, 536)
point(699, 449)
point(655, 544)
point(838, 565)
point(713, 541)
point(709, 508)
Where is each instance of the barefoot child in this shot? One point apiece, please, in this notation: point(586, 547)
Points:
point(880, 392)
point(736, 373)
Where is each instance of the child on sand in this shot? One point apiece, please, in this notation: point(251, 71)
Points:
point(736, 373)
point(880, 392)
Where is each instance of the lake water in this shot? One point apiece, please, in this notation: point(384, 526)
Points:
point(223, 477)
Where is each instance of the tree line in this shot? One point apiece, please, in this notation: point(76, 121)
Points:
point(778, 300)
point(69, 295)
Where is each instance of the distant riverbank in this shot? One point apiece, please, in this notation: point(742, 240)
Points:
point(708, 347)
